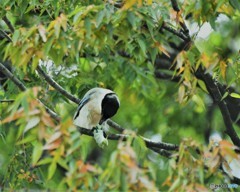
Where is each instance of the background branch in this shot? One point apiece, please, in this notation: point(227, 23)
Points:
point(57, 86)
point(22, 87)
point(175, 32)
point(15, 80)
point(217, 98)
point(8, 23)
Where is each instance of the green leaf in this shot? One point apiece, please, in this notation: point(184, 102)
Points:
point(24, 103)
point(235, 95)
point(139, 147)
point(225, 95)
point(99, 18)
point(37, 152)
point(27, 139)
point(57, 28)
point(51, 170)
point(45, 161)
point(235, 4)
point(48, 45)
point(87, 24)
point(132, 19)
point(15, 37)
point(202, 85)
point(62, 163)
point(142, 45)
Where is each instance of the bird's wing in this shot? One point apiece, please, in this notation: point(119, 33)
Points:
point(83, 102)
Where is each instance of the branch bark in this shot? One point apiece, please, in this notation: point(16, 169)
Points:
point(175, 32)
point(158, 147)
point(215, 93)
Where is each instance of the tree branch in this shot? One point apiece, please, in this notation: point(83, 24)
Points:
point(161, 75)
point(159, 147)
point(115, 125)
point(57, 86)
point(175, 32)
point(22, 87)
point(175, 5)
point(5, 35)
point(162, 152)
point(15, 80)
point(8, 23)
point(7, 101)
point(215, 93)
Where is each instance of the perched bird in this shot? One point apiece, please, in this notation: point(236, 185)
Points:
point(97, 105)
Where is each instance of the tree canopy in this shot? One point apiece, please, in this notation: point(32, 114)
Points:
point(175, 65)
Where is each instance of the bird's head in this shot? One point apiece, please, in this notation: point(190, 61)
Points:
point(110, 105)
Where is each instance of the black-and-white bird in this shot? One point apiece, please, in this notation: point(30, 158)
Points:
point(97, 105)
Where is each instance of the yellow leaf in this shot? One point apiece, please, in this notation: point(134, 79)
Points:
point(42, 32)
point(163, 50)
point(129, 3)
point(149, 2)
point(181, 93)
point(223, 68)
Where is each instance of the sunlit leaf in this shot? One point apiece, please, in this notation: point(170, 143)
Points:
point(37, 152)
point(235, 95)
point(42, 32)
point(32, 123)
point(51, 170)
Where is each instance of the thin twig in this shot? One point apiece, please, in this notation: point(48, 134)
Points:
point(5, 35)
point(57, 86)
point(162, 152)
point(175, 32)
point(7, 101)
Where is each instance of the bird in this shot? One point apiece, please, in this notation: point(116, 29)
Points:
point(94, 109)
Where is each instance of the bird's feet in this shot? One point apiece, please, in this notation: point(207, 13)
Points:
point(99, 136)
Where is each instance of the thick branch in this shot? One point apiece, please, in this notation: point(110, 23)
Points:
point(150, 144)
point(175, 5)
point(217, 98)
point(115, 126)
